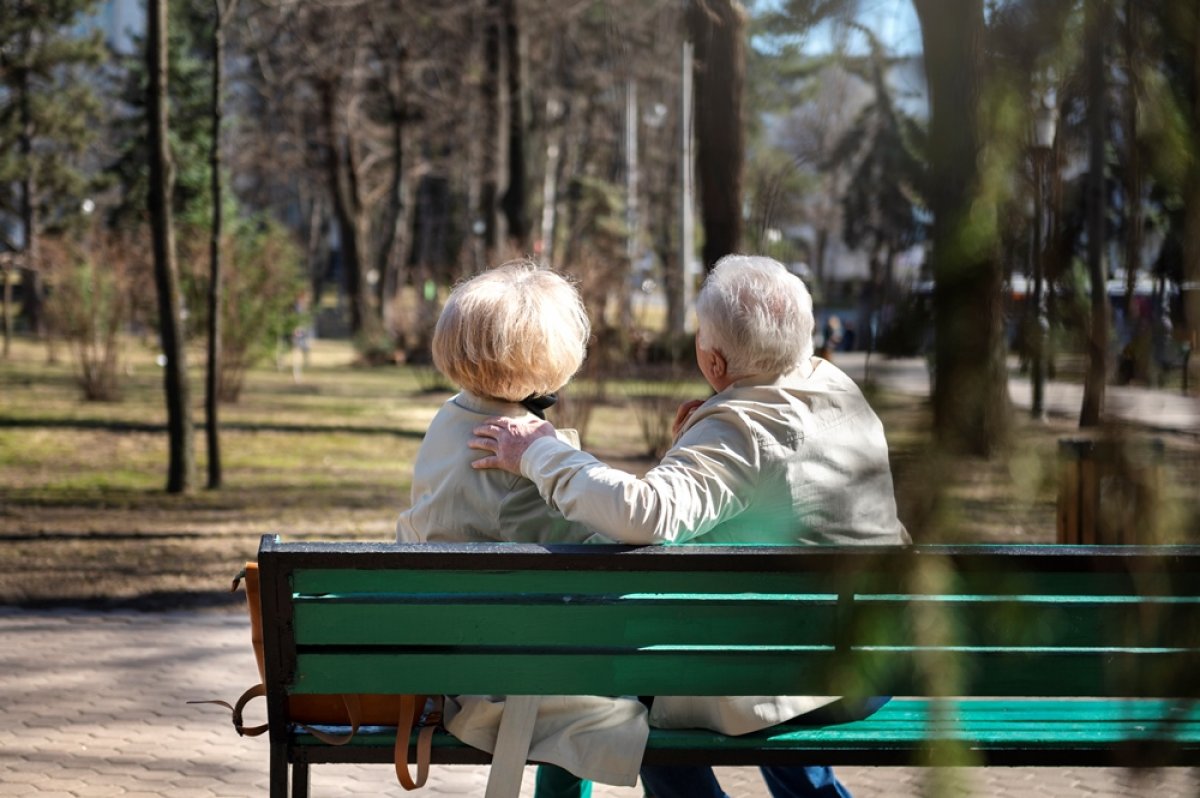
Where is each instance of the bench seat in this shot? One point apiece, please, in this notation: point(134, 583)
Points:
point(985, 731)
point(1003, 654)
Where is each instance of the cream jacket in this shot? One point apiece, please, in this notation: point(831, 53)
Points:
point(594, 737)
point(798, 459)
point(452, 502)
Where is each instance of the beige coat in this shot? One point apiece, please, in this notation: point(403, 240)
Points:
point(798, 459)
point(594, 737)
point(452, 502)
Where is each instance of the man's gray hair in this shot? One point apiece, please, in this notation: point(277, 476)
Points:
point(757, 314)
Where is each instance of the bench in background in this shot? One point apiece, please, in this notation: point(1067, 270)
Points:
point(998, 655)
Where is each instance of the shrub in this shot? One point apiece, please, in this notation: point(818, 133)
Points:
point(262, 281)
point(90, 303)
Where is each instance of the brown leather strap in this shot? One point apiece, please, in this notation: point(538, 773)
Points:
point(236, 708)
point(411, 708)
point(353, 712)
point(404, 726)
point(349, 701)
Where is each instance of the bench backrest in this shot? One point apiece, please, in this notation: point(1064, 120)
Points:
point(707, 620)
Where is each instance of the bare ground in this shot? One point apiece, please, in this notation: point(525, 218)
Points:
point(84, 520)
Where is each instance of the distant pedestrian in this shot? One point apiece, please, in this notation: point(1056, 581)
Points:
point(832, 336)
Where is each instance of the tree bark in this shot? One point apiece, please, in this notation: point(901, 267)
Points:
point(29, 211)
point(398, 219)
point(971, 407)
point(1134, 217)
point(515, 201)
point(6, 307)
point(1095, 26)
point(1190, 288)
point(492, 133)
point(175, 382)
point(717, 29)
point(342, 171)
point(212, 429)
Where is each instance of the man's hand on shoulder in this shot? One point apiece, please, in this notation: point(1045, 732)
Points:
point(507, 441)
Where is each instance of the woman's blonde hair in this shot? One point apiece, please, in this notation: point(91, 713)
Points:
point(515, 331)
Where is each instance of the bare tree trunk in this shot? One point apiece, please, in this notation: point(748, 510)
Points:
point(1095, 26)
point(516, 197)
point(222, 11)
point(717, 29)
point(343, 181)
point(971, 407)
point(6, 308)
point(1134, 217)
point(550, 179)
point(179, 421)
point(29, 211)
point(1190, 293)
point(822, 244)
point(316, 252)
point(489, 97)
point(390, 257)
point(668, 221)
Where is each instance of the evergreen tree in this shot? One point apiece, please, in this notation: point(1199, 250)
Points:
point(189, 75)
point(47, 115)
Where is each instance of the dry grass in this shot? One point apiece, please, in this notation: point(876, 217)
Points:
point(84, 519)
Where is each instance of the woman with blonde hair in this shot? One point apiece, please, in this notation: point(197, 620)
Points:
point(511, 338)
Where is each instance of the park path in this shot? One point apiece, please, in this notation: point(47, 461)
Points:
point(95, 704)
point(1151, 409)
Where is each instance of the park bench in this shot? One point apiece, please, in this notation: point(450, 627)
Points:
point(998, 654)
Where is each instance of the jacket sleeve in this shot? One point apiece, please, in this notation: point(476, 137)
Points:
point(702, 481)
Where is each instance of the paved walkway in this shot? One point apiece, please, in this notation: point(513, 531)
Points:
point(1155, 410)
point(94, 704)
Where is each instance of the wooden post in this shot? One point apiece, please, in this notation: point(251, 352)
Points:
point(1108, 491)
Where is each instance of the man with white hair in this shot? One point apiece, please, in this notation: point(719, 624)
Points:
point(787, 451)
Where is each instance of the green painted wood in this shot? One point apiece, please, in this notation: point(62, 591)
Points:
point(1052, 621)
point(346, 581)
point(865, 582)
point(983, 725)
point(623, 623)
point(993, 570)
point(756, 671)
point(1018, 621)
point(748, 619)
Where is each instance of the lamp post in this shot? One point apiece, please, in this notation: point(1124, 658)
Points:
point(1045, 124)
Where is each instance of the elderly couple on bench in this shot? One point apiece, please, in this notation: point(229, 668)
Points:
point(786, 451)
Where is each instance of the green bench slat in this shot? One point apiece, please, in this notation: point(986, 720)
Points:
point(626, 623)
point(778, 671)
point(909, 724)
point(417, 581)
point(861, 579)
point(545, 619)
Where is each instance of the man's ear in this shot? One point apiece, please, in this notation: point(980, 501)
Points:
point(717, 364)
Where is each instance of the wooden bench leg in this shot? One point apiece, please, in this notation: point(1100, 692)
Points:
point(512, 746)
point(300, 780)
point(279, 771)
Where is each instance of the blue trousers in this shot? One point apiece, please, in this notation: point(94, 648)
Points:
point(700, 782)
point(783, 782)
